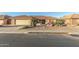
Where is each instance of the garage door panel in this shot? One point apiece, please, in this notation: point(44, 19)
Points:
point(23, 22)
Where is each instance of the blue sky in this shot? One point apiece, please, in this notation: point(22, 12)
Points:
point(55, 14)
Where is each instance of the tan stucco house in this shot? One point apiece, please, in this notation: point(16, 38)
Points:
point(23, 20)
point(17, 20)
point(71, 20)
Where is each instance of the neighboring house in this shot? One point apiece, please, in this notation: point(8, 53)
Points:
point(23, 20)
point(5, 20)
point(71, 20)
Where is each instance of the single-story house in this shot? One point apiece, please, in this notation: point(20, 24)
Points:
point(17, 20)
point(23, 20)
point(71, 20)
point(45, 19)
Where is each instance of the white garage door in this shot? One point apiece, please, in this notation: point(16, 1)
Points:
point(23, 22)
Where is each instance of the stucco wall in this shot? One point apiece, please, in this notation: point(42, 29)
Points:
point(68, 21)
point(77, 21)
point(1, 22)
point(23, 22)
point(72, 22)
point(13, 22)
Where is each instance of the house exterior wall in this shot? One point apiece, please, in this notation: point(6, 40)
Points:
point(77, 21)
point(74, 22)
point(23, 22)
point(71, 22)
point(68, 22)
point(1, 22)
point(13, 22)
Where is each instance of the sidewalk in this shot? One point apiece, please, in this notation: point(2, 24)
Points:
point(66, 30)
point(30, 30)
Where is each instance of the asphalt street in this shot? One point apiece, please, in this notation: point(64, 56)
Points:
point(38, 40)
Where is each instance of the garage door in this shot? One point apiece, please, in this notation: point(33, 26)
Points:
point(23, 22)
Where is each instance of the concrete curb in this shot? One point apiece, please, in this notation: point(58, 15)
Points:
point(29, 32)
point(34, 32)
point(13, 32)
point(47, 32)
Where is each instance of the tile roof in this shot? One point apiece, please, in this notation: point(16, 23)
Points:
point(71, 16)
point(44, 17)
point(22, 17)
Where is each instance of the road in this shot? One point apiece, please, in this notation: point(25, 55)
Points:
point(38, 40)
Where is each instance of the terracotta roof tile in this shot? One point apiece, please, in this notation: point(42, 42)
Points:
point(22, 17)
point(44, 17)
